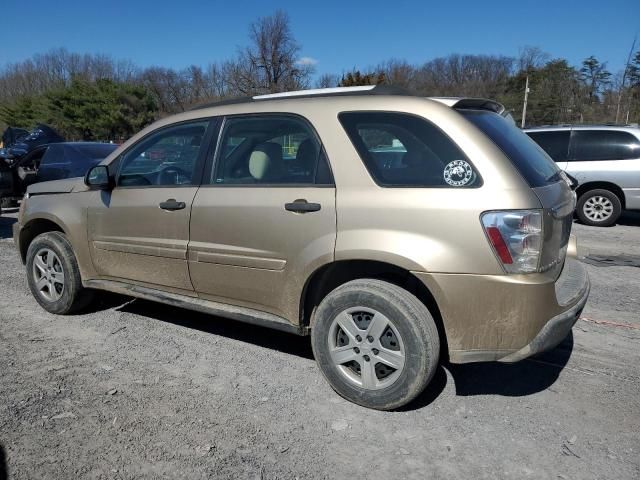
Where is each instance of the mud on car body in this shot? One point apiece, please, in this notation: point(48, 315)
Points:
point(395, 230)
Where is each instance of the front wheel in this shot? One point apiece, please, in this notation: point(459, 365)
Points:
point(599, 208)
point(53, 274)
point(375, 343)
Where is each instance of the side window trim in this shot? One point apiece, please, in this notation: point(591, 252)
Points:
point(199, 164)
point(213, 157)
point(572, 147)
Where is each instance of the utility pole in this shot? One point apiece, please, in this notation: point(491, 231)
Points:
point(624, 79)
point(526, 97)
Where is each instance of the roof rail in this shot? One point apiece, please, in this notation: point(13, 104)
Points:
point(317, 92)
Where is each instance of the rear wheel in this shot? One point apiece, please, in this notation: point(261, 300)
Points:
point(375, 343)
point(53, 274)
point(599, 208)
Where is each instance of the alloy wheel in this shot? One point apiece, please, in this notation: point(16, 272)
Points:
point(598, 208)
point(48, 274)
point(366, 348)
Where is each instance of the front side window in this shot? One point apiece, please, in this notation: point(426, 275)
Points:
point(587, 145)
point(556, 144)
point(165, 158)
point(401, 150)
point(269, 150)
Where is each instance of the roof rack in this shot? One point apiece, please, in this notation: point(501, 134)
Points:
point(318, 92)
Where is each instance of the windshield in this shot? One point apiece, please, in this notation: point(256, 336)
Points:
point(532, 162)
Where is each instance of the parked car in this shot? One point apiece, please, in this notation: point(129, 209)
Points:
point(605, 160)
point(290, 211)
point(12, 135)
point(49, 162)
point(16, 144)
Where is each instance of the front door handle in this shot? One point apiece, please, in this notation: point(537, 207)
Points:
point(172, 204)
point(302, 206)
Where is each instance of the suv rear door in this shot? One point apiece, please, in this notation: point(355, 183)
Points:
point(266, 219)
point(605, 155)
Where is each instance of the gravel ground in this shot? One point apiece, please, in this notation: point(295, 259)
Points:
point(139, 390)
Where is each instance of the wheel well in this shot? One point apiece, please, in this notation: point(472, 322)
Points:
point(612, 187)
point(331, 276)
point(32, 229)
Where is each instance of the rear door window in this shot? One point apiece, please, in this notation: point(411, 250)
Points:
point(402, 150)
point(588, 145)
point(527, 156)
point(556, 144)
point(270, 150)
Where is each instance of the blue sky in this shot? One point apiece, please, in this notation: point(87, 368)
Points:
point(339, 35)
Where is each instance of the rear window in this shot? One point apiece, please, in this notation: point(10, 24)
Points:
point(402, 150)
point(589, 145)
point(556, 144)
point(527, 156)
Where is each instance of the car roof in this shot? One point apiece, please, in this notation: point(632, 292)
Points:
point(359, 91)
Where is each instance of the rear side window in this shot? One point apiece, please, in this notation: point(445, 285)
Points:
point(270, 150)
point(529, 159)
point(589, 145)
point(556, 144)
point(401, 150)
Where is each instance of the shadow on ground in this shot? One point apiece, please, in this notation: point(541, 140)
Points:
point(512, 379)
point(629, 218)
point(255, 335)
point(6, 224)
point(4, 471)
point(492, 378)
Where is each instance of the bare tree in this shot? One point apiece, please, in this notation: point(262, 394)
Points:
point(531, 58)
point(327, 81)
point(270, 63)
point(398, 73)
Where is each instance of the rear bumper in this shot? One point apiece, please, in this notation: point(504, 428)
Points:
point(554, 331)
point(507, 318)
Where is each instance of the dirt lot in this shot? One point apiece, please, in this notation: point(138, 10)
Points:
point(138, 390)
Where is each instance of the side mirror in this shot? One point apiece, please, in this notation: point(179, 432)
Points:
point(97, 178)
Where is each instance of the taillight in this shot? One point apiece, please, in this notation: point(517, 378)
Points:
point(516, 238)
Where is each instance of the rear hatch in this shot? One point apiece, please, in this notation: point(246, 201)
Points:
point(548, 182)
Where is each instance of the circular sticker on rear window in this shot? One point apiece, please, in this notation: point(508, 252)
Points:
point(458, 173)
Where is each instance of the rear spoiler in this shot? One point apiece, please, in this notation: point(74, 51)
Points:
point(460, 103)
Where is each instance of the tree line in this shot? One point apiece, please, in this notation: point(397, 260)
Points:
point(98, 97)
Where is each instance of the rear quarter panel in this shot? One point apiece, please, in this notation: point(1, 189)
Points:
point(421, 229)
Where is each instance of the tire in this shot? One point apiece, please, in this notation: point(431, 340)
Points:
point(599, 208)
point(53, 275)
point(403, 334)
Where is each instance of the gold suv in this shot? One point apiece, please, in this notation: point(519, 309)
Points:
point(396, 230)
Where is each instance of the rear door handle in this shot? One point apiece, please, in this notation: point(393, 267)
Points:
point(172, 204)
point(302, 206)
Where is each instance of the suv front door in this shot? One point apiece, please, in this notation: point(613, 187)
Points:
point(267, 218)
point(140, 231)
